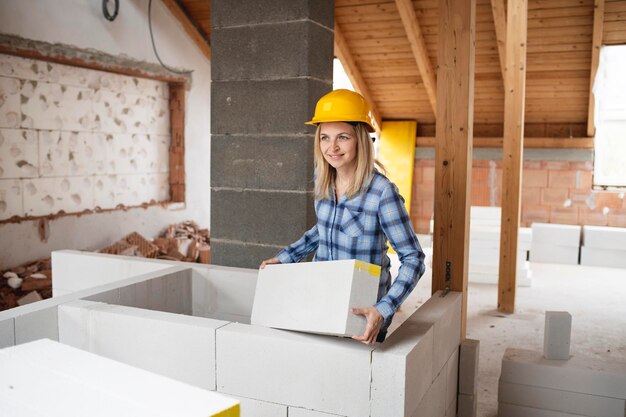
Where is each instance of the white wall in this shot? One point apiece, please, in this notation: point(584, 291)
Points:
point(81, 24)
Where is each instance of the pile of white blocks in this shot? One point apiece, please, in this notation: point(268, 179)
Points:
point(555, 243)
point(603, 246)
point(555, 384)
point(48, 378)
point(144, 321)
point(484, 250)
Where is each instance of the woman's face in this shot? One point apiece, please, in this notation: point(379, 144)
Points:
point(338, 144)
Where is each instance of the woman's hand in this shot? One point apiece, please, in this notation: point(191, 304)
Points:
point(374, 323)
point(269, 261)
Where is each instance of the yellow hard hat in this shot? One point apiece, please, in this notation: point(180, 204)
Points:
point(342, 106)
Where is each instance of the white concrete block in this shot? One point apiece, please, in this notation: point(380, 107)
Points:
point(223, 293)
point(7, 333)
point(315, 297)
point(556, 234)
point(301, 412)
point(52, 379)
point(468, 366)
point(444, 313)
point(563, 401)
point(523, 278)
point(451, 411)
point(552, 254)
point(467, 405)
point(402, 370)
point(612, 258)
point(321, 373)
point(485, 215)
point(256, 408)
point(452, 379)
point(524, 235)
point(74, 270)
point(509, 410)
point(433, 403)
point(38, 324)
point(557, 335)
point(578, 374)
point(604, 237)
point(177, 346)
point(170, 292)
point(75, 323)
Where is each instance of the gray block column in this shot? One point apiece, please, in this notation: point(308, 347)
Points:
point(271, 60)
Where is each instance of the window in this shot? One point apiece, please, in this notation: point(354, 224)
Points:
point(610, 118)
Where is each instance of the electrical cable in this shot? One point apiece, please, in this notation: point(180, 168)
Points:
point(154, 45)
point(105, 10)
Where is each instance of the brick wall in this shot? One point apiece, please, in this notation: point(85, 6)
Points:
point(552, 192)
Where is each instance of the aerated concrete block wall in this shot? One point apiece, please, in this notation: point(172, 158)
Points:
point(271, 62)
point(145, 322)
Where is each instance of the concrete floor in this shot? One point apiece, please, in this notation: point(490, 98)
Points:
point(595, 297)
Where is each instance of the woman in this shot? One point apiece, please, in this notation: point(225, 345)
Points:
point(358, 209)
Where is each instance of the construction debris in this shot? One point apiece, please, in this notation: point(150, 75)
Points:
point(31, 297)
point(23, 284)
point(180, 242)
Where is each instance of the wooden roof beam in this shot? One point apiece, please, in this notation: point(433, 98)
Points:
point(181, 15)
point(418, 46)
point(499, 21)
point(596, 44)
point(352, 71)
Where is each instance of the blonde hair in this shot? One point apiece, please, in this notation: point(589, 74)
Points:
point(364, 168)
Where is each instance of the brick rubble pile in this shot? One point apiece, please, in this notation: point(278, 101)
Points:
point(181, 242)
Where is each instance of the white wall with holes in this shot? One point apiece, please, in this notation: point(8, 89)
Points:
point(74, 139)
point(81, 24)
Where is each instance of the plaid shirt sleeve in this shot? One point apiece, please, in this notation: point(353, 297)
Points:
point(298, 250)
point(396, 226)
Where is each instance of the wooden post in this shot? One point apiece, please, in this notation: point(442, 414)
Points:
point(512, 152)
point(453, 150)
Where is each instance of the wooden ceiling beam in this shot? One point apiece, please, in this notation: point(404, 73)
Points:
point(342, 52)
point(499, 20)
point(418, 46)
point(190, 28)
point(596, 44)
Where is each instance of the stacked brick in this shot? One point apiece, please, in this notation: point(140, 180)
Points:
point(552, 192)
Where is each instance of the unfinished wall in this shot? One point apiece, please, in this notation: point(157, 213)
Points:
point(556, 188)
point(81, 25)
point(74, 139)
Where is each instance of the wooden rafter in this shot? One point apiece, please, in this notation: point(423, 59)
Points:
point(342, 52)
point(598, 28)
point(418, 46)
point(179, 13)
point(499, 21)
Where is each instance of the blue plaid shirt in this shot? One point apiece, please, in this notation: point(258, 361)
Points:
point(359, 228)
